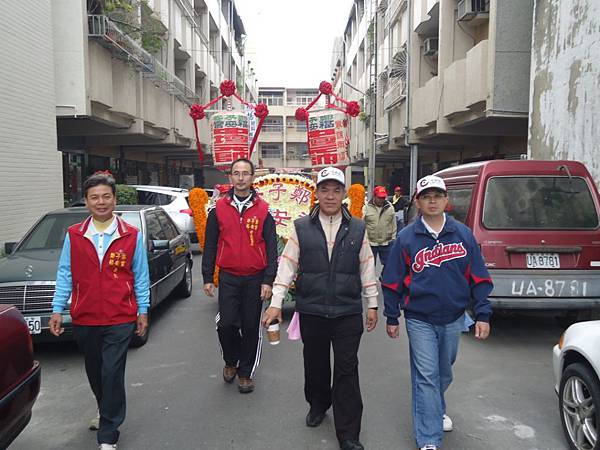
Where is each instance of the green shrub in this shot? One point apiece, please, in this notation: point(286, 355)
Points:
point(126, 195)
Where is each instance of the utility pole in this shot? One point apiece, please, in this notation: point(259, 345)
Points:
point(414, 148)
point(372, 159)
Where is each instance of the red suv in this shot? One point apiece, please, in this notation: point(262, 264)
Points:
point(538, 227)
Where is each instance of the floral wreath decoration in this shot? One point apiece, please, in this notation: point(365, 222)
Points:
point(356, 196)
point(198, 200)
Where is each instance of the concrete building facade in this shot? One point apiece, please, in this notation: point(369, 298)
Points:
point(122, 99)
point(283, 141)
point(30, 166)
point(565, 82)
point(442, 81)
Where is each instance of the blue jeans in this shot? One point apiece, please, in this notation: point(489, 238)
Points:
point(382, 251)
point(433, 350)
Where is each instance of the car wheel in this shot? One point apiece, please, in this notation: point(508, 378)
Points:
point(139, 341)
point(184, 288)
point(579, 405)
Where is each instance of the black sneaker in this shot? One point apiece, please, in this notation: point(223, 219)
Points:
point(351, 444)
point(314, 418)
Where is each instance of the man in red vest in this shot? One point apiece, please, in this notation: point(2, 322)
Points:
point(103, 268)
point(241, 241)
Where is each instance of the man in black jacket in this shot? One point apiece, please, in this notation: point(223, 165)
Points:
point(335, 265)
point(240, 239)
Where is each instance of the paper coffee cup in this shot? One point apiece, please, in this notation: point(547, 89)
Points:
point(273, 333)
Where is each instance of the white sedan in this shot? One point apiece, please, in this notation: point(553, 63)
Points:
point(576, 360)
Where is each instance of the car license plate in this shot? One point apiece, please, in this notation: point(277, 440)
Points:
point(543, 261)
point(34, 324)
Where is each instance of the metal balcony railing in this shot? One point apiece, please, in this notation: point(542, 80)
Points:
point(272, 128)
point(123, 47)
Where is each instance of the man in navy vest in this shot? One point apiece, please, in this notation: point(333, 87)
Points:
point(335, 265)
point(103, 268)
point(434, 271)
point(241, 241)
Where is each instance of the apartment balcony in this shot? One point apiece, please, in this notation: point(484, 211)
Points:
point(393, 10)
point(466, 87)
point(425, 105)
point(298, 161)
point(454, 88)
point(477, 74)
point(131, 99)
point(296, 133)
point(394, 94)
point(397, 121)
point(272, 133)
point(426, 17)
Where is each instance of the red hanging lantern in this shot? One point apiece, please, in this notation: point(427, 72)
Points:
point(328, 138)
point(229, 129)
point(229, 134)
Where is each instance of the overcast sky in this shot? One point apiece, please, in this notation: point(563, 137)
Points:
point(290, 42)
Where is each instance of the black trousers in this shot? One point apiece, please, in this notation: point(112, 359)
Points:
point(319, 334)
point(105, 352)
point(238, 321)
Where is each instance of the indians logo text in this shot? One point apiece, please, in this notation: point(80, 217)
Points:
point(437, 255)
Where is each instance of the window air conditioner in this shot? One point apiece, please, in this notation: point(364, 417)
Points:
point(430, 46)
point(468, 9)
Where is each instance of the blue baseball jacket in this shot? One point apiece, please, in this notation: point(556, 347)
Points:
point(435, 280)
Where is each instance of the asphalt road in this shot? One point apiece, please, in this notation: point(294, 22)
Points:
point(502, 396)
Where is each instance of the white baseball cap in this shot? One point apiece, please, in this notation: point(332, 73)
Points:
point(331, 173)
point(430, 182)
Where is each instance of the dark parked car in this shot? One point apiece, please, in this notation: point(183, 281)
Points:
point(28, 274)
point(19, 375)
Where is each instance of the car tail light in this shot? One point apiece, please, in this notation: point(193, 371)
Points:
point(187, 211)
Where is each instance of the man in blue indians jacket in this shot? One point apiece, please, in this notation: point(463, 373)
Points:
point(434, 272)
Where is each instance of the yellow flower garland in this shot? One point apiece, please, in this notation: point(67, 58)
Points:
point(198, 200)
point(356, 195)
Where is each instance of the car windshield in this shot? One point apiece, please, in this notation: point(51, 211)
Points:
point(539, 203)
point(154, 198)
point(132, 218)
point(50, 232)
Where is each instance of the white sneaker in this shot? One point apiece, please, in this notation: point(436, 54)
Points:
point(95, 422)
point(107, 446)
point(429, 447)
point(447, 423)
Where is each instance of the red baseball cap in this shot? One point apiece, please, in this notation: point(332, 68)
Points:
point(397, 188)
point(380, 191)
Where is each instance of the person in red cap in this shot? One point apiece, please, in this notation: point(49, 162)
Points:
point(381, 224)
point(398, 200)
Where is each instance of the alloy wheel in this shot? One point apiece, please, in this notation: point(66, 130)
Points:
point(579, 413)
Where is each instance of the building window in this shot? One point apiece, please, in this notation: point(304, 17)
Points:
point(271, 98)
point(297, 151)
point(271, 151)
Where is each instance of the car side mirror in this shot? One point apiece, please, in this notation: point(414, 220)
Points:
point(9, 247)
point(159, 244)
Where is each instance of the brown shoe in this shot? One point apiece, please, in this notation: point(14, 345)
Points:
point(229, 373)
point(245, 385)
